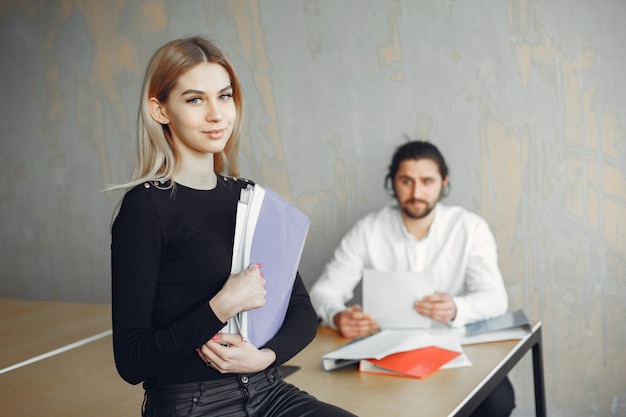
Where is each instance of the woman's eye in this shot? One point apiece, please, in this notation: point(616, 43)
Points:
point(194, 100)
point(226, 96)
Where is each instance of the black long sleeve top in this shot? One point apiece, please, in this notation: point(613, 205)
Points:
point(171, 252)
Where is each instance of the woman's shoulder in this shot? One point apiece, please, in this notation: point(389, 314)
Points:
point(147, 193)
point(235, 183)
point(149, 188)
point(141, 202)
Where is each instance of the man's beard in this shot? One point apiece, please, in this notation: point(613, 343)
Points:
point(414, 213)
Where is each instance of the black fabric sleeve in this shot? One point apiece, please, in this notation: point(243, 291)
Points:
point(299, 327)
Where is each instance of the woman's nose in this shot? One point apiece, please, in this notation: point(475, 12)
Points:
point(214, 112)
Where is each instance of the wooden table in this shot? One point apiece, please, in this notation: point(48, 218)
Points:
point(82, 380)
point(449, 392)
point(32, 328)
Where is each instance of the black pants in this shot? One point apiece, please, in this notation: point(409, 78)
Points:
point(264, 394)
point(500, 403)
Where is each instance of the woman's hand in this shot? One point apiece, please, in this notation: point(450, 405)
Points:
point(229, 353)
point(241, 292)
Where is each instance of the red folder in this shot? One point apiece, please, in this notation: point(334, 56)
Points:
point(418, 363)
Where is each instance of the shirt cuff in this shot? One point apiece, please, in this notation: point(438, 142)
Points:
point(331, 315)
point(460, 319)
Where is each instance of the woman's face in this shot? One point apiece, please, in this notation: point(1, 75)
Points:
point(200, 110)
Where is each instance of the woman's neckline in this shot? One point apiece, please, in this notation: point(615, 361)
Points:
point(188, 187)
point(191, 187)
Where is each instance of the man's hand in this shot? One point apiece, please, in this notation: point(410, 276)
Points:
point(352, 322)
point(438, 306)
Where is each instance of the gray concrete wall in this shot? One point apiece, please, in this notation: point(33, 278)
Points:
point(525, 98)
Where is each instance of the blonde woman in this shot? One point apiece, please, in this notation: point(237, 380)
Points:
point(172, 291)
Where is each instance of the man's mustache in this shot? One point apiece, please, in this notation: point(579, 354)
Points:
point(416, 200)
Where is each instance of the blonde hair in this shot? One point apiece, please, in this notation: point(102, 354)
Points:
point(156, 155)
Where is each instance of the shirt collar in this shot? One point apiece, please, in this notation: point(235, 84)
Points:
point(398, 215)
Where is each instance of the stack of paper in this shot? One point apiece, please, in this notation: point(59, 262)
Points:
point(409, 353)
point(270, 231)
point(409, 344)
point(509, 326)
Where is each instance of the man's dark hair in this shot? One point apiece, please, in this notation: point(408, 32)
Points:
point(416, 150)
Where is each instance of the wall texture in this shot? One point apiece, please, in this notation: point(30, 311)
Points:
point(525, 98)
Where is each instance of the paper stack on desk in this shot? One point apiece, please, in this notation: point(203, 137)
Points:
point(270, 231)
point(409, 353)
point(409, 344)
point(509, 326)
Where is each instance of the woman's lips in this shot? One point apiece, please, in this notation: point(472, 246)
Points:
point(215, 134)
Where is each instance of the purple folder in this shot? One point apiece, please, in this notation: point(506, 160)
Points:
point(277, 244)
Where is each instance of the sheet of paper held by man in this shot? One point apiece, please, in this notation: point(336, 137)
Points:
point(389, 297)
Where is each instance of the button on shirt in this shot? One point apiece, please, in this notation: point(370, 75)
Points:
point(459, 250)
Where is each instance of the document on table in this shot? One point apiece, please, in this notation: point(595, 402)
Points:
point(496, 336)
point(509, 320)
point(389, 342)
point(389, 296)
point(270, 231)
point(418, 363)
point(512, 325)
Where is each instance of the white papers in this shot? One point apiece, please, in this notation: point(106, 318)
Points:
point(508, 320)
point(389, 296)
point(512, 325)
point(458, 362)
point(388, 342)
point(270, 231)
point(496, 336)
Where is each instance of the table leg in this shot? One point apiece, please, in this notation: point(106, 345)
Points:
point(540, 391)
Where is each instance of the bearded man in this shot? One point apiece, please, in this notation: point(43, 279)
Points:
point(417, 233)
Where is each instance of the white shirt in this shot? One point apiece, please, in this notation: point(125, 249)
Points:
point(459, 250)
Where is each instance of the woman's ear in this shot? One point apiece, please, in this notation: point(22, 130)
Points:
point(157, 111)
